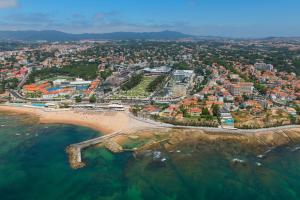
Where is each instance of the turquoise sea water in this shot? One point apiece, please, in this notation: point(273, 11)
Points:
point(34, 165)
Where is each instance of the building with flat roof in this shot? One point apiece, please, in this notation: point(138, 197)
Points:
point(158, 70)
point(60, 82)
point(241, 88)
point(263, 67)
point(183, 75)
point(181, 82)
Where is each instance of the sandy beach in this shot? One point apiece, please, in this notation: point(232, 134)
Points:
point(105, 122)
point(109, 122)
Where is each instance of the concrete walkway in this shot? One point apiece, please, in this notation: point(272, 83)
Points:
point(212, 129)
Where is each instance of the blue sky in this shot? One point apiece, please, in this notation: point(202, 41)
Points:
point(235, 18)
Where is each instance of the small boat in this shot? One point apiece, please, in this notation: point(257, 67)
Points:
point(178, 151)
point(18, 134)
point(163, 160)
point(258, 164)
point(2, 125)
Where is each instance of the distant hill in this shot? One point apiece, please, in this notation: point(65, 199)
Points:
point(282, 39)
point(52, 36)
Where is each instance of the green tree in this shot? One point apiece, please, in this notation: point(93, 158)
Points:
point(12, 83)
point(31, 79)
point(215, 110)
point(182, 66)
point(184, 111)
point(78, 99)
point(93, 99)
point(156, 83)
point(105, 74)
point(87, 71)
point(297, 108)
point(205, 111)
point(245, 97)
point(261, 88)
point(133, 81)
point(2, 87)
point(293, 119)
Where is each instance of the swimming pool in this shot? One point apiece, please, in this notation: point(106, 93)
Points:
point(38, 105)
point(82, 87)
point(229, 121)
point(53, 89)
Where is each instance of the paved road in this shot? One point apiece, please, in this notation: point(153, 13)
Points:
point(23, 81)
point(212, 129)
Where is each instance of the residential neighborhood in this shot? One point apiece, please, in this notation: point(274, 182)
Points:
point(180, 83)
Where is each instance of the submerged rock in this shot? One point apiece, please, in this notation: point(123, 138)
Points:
point(113, 146)
point(133, 137)
point(156, 154)
point(236, 160)
point(260, 156)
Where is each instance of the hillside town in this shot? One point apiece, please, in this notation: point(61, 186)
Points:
point(242, 84)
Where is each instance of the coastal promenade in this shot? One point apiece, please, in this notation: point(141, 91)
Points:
point(214, 129)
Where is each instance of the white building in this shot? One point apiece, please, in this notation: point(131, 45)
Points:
point(158, 70)
point(264, 67)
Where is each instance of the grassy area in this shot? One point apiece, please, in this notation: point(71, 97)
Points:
point(270, 118)
point(140, 90)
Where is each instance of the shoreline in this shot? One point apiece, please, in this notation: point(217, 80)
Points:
point(217, 129)
point(108, 122)
point(104, 122)
point(141, 135)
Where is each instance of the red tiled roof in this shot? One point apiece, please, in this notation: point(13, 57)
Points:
point(195, 110)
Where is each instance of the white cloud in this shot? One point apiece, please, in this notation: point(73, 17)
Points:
point(8, 3)
point(103, 22)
